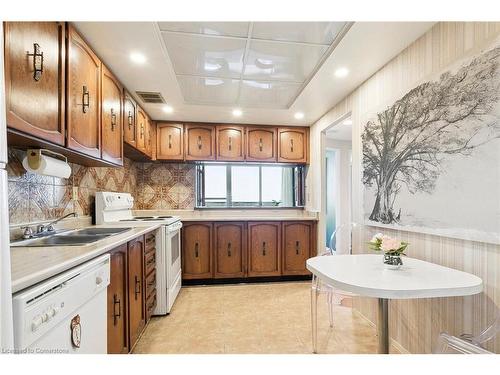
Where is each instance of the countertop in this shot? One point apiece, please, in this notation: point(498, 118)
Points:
point(234, 214)
point(30, 265)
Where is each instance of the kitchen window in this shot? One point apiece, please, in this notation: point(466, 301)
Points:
point(249, 185)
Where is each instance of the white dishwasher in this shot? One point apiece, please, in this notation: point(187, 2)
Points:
point(66, 313)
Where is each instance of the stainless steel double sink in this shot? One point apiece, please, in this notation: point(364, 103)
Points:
point(77, 237)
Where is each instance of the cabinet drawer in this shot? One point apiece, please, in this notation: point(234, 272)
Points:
point(150, 284)
point(150, 262)
point(150, 306)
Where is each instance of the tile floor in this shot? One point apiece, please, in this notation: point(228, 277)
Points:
point(269, 318)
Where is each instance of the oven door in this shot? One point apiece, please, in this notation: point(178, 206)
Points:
point(173, 255)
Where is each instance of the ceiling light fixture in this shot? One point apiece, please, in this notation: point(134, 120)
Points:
point(341, 72)
point(237, 112)
point(347, 122)
point(168, 109)
point(137, 57)
point(299, 115)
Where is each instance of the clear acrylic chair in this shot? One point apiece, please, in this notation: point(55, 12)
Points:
point(332, 297)
point(467, 343)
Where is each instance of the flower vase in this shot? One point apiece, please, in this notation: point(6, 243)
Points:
point(392, 262)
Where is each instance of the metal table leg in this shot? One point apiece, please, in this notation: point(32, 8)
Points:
point(383, 326)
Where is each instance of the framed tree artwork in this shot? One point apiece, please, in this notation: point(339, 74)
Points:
point(431, 160)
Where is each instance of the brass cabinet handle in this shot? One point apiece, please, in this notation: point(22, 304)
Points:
point(230, 141)
point(196, 249)
point(261, 145)
point(229, 249)
point(85, 99)
point(170, 141)
point(130, 119)
point(264, 248)
point(199, 142)
point(291, 145)
point(37, 62)
point(137, 289)
point(297, 247)
point(116, 301)
point(142, 130)
point(113, 120)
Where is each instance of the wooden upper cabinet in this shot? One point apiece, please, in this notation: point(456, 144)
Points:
point(197, 251)
point(141, 129)
point(230, 142)
point(149, 136)
point(199, 142)
point(35, 78)
point(112, 118)
point(264, 252)
point(137, 313)
point(117, 302)
point(292, 145)
point(230, 250)
point(298, 242)
point(129, 120)
point(261, 144)
point(169, 141)
point(83, 97)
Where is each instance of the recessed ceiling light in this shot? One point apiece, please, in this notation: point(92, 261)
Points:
point(341, 72)
point(237, 112)
point(347, 122)
point(168, 109)
point(299, 115)
point(138, 57)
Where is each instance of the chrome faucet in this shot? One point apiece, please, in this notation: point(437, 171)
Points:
point(44, 229)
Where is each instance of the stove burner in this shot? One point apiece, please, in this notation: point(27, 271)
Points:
point(165, 217)
point(143, 217)
point(154, 219)
point(129, 220)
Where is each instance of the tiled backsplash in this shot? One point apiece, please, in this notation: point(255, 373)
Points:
point(35, 198)
point(165, 186)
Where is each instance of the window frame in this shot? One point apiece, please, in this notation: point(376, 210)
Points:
point(298, 179)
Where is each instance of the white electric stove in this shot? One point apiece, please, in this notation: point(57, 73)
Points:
point(116, 208)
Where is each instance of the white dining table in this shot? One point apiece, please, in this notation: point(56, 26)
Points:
point(366, 275)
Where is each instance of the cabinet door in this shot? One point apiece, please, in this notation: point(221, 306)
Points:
point(112, 118)
point(197, 251)
point(141, 129)
point(199, 142)
point(230, 142)
point(129, 123)
point(83, 97)
point(297, 246)
point(117, 302)
point(264, 249)
point(34, 78)
point(292, 145)
point(136, 289)
point(261, 144)
point(169, 141)
point(230, 250)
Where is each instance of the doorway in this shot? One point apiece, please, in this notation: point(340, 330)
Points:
point(338, 186)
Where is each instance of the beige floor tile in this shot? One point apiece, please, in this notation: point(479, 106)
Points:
point(272, 318)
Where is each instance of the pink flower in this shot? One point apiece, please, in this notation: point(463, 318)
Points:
point(389, 243)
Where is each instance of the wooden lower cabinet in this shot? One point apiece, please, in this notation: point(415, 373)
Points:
point(230, 249)
point(197, 251)
point(264, 249)
point(117, 302)
point(298, 241)
point(137, 318)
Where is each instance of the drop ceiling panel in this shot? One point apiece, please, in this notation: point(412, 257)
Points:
point(282, 61)
point(304, 32)
point(266, 94)
point(208, 90)
point(200, 55)
point(237, 29)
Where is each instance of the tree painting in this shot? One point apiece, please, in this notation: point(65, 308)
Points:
point(405, 145)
